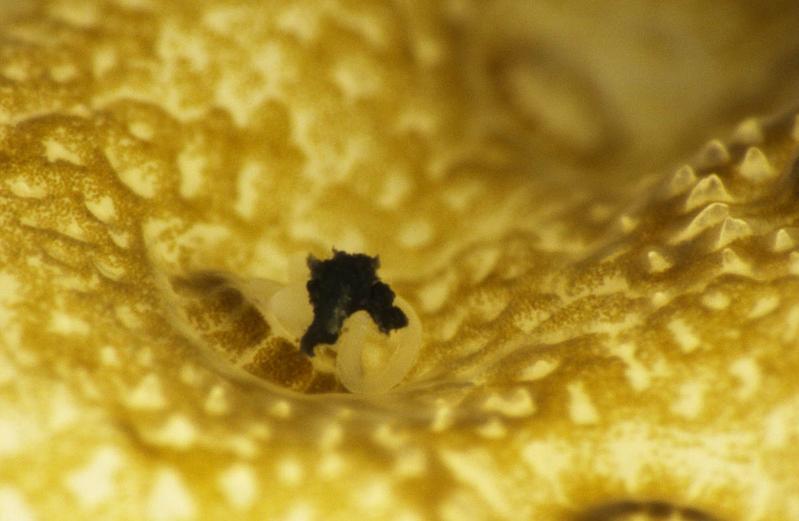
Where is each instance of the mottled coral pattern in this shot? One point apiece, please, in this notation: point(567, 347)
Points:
point(611, 325)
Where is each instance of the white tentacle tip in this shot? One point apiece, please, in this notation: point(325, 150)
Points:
point(369, 361)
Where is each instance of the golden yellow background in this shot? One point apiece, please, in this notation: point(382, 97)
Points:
point(609, 294)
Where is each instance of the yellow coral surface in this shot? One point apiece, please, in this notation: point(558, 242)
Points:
point(611, 321)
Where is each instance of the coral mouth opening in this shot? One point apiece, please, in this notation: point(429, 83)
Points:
point(341, 286)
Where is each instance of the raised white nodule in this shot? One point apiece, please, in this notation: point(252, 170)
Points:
point(371, 362)
point(367, 361)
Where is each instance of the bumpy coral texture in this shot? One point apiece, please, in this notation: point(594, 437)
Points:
point(608, 336)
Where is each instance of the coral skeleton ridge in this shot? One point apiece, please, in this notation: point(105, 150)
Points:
point(597, 333)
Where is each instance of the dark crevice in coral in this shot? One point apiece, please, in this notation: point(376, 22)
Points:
point(339, 287)
point(654, 510)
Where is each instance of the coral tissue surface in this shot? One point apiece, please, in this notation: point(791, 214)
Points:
point(584, 202)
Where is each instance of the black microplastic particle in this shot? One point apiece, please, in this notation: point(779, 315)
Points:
point(339, 287)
